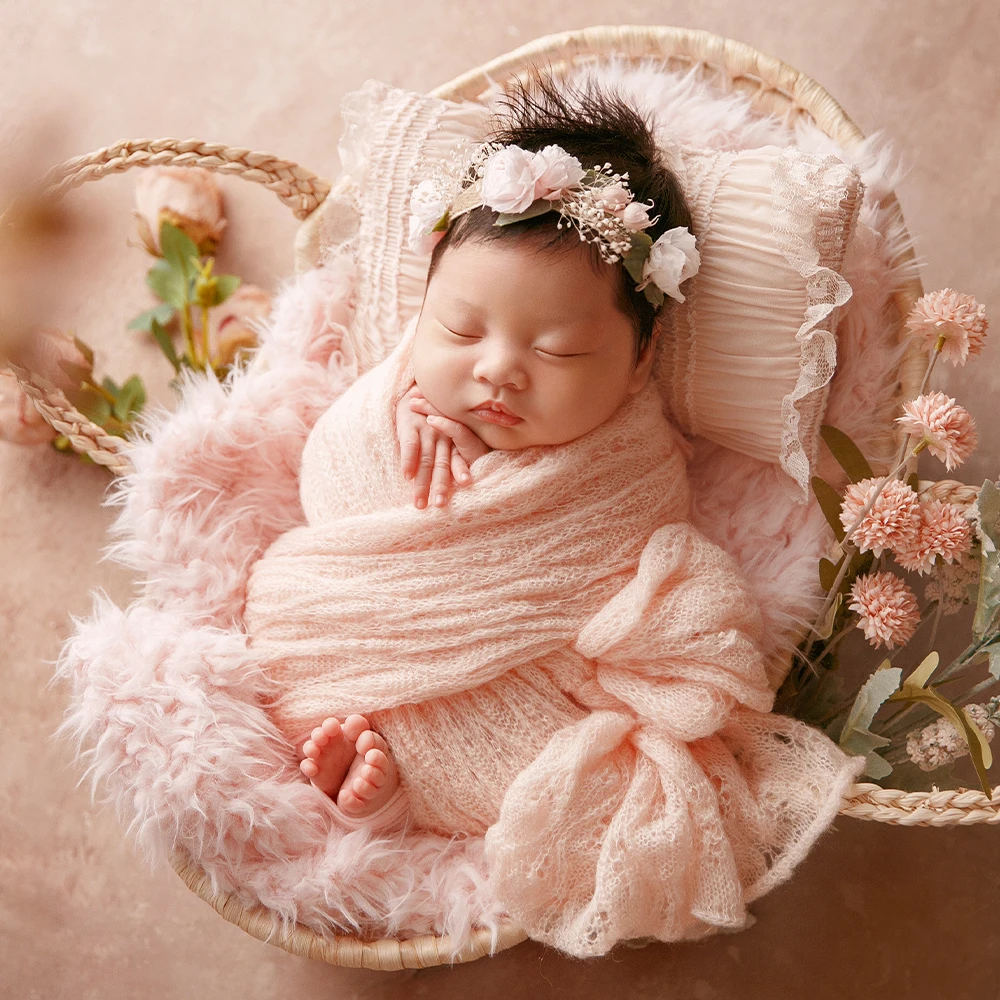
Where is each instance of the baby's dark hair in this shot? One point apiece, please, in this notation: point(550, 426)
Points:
point(596, 126)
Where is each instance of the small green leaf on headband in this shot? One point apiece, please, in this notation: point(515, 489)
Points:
point(442, 224)
point(653, 295)
point(538, 207)
point(635, 259)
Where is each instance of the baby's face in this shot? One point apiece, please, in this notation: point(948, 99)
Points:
point(539, 333)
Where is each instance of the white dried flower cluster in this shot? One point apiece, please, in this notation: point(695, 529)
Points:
point(940, 743)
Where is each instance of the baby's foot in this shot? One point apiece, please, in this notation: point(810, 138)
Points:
point(372, 778)
point(331, 751)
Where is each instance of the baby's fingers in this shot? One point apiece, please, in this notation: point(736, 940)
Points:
point(409, 453)
point(459, 468)
point(467, 442)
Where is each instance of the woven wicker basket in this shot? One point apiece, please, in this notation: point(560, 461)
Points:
point(773, 87)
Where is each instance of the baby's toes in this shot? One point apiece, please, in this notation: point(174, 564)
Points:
point(367, 781)
point(320, 737)
point(370, 740)
point(354, 726)
point(311, 750)
point(309, 768)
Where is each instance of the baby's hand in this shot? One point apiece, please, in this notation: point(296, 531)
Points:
point(434, 448)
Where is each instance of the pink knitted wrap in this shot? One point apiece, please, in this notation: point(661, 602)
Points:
point(558, 660)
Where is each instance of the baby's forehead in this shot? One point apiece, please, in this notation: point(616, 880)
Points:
point(557, 284)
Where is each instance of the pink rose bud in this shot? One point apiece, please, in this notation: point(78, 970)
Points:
point(230, 324)
point(636, 217)
point(186, 197)
point(614, 197)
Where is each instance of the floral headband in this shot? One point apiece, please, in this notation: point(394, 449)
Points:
point(520, 184)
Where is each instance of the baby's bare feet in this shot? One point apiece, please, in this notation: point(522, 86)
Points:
point(371, 779)
point(331, 751)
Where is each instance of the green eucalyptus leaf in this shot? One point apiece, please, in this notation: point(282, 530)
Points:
point(163, 313)
point(988, 503)
point(995, 662)
point(538, 207)
point(988, 594)
point(168, 284)
point(166, 344)
point(227, 284)
point(847, 453)
point(178, 248)
point(442, 224)
point(856, 737)
point(829, 501)
point(130, 399)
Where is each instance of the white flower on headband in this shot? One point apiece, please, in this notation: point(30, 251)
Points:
point(427, 205)
point(672, 259)
point(509, 180)
point(556, 171)
point(514, 178)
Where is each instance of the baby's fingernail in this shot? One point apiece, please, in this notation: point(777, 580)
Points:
point(439, 499)
point(431, 416)
point(464, 477)
point(421, 503)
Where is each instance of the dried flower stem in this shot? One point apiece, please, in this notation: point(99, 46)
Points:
point(206, 347)
point(189, 333)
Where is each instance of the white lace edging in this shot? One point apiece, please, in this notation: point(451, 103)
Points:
point(809, 227)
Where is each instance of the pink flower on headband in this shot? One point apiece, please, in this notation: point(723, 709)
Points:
point(957, 317)
point(888, 608)
point(948, 428)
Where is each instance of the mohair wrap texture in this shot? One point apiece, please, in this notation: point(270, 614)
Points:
point(558, 660)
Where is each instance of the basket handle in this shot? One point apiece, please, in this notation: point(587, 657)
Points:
point(300, 189)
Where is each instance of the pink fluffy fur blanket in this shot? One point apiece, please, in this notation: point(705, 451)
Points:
point(558, 660)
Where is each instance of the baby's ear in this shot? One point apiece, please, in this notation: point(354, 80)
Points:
point(640, 375)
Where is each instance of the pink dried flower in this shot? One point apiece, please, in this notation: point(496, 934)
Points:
point(949, 585)
point(943, 532)
point(948, 429)
point(957, 317)
point(187, 197)
point(887, 606)
point(940, 743)
point(893, 521)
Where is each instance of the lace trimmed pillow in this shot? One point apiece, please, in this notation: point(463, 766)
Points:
point(745, 361)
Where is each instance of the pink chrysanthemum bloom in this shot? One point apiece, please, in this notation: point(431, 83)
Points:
point(887, 606)
point(948, 428)
point(943, 532)
point(940, 743)
point(957, 317)
point(893, 521)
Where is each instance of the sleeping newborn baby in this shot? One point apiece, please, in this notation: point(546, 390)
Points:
point(525, 337)
point(551, 656)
